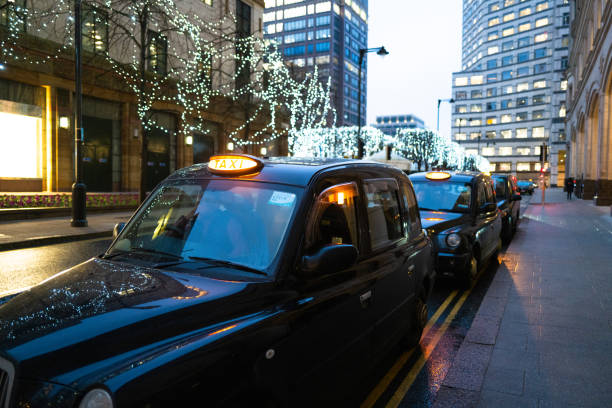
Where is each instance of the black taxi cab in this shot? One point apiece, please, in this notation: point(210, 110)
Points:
point(459, 212)
point(508, 196)
point(240, 282)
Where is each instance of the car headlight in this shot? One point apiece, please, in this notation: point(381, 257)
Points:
point(97, 398)
point(453, 240)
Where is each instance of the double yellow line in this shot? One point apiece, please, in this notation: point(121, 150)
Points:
point(408, 380)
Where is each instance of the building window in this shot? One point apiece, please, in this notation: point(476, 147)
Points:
point(523, 42)
point(521, 101)
point(95, 30)
point(491, 91)
point(565, 41)
point(490, 134)
point(493, 50)
point(540, 37)
point(488, 151)
point(541, 22)
point(493, 7)
point(13, 14)
point(508, 31)
point(505, 151)
point(538, 132)
point(157, 53)
point(476, 94)
point(507, 60)
point(491, 77)
point(522, 57)
point(522, 71)
point(295, 25)
point(506, 104)
point(475, 122)
point(508, 45)
point(507, 90)
point(461, 81)
point(523, 151)
point(493, 35)
point(509, 17)
point(564, 62)
point(521, 116)
point(506, 75)
point(461, 122)
point(208, 2)
point(322, 47)
point(563, 85)
point(539, 68)
point(506, 134)
point(506, 118)
point(474, 135)
point(476, 108)
point(461, 94)
point(539, 84)
point(493, 21)
point(524, 27)
point(538, 114)
point(461, 109)
point(460, 136)
point(504, 166)
point(521, 133)
point(539, 99)
point(523, 166)
point(491, 120)
point(476, 79)
point(491, 106)
point(539, 53)
point(491, 64)
point(524, 11)
point(522, 87)
point(296, 50)
point(541, 6)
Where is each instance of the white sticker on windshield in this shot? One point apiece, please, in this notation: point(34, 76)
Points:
point(281, 198)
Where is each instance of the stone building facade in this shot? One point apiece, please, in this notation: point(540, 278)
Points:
point(589, 95)
point(37, 121)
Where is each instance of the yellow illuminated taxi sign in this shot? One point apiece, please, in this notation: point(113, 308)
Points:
point(234, 164)
point(438, 175)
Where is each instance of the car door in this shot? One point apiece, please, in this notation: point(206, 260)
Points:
point(329, 345)
point(389, 260)
point(491, 218)
point(483, 221)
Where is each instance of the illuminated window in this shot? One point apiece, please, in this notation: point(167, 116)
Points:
point(461, 81)
point(493, 21)
point(525, 11)
point(461, 109)
point(538, 114)
point(157, 52)
point(508, 17)
point(522, 87)
point(523, 166)
point(523, 151)
point(506, 118)
point(491, 120)
point(476, 108)
point(493, 7)
point(521, 116)
point(521, 133)
point(505, 151)
point(476, 94)
point(504, 166)
point(295, 12)
point(471, 152)
point(493, 50)
point(325, 7)
point(210, 2)
point(490, 134)
point(506, 134)
point(541, 37)
point(475, 122)
point(563, 85)
point(508, 31)
point(19, 155)
point(95, 30)
point(507, 104)
point(524, 27)
point(461, 122)
point(488, 151)
point(460, 136)
point(476, 79)
point(539, 84)
point(461, 94)
point(538, 132)
point(507, 90)
point(508, 3)
point(541, 6)
point(537, 166)
point(541, 22)
point(493, 35)
point(474, 135)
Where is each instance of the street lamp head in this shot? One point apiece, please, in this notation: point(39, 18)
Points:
point(451, 100)
point(382, 51)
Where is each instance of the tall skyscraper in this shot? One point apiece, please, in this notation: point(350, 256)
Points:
point(510, 95)
point(328, 34)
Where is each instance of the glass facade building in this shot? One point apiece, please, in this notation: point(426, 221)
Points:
point(391, 123)
point(328, 34)
point(510, 95)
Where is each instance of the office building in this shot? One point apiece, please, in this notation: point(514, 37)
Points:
point(589, 96)
point(328, 34)
point(390, 124)
point(510, 95)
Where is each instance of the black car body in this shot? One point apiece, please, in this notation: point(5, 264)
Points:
point(525, 187)
point(508, 197)
point(340, 270)
point(459, 211)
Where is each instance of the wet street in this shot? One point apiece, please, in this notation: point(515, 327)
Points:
point(403, 377)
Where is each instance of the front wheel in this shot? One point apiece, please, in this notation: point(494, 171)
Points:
point(470, 273)
point(413, 338)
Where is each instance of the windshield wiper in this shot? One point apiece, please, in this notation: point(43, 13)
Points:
point(228, 263)
point(155, 251)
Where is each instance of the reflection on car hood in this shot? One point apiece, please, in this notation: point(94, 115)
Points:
point(102, 308)
point(437, 221)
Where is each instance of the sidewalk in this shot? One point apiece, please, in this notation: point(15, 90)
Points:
point(37, 232)
point(543, 334)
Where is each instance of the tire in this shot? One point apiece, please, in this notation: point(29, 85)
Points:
point(413, 338)
point(515, 222)
point(469, 274)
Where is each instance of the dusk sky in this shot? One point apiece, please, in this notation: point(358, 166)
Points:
point(424, 42)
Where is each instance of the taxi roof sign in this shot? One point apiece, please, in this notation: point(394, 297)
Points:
point(437, 175)
point(234, 164)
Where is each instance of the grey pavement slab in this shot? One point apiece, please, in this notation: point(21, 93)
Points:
point(542, 336)
point(35, 232)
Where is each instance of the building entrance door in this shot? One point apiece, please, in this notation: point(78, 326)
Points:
point(97, 154)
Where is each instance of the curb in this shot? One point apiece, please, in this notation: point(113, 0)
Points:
point(53, 239)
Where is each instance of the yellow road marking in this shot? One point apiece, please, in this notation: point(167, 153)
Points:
point(416, 368)
point(397, 366)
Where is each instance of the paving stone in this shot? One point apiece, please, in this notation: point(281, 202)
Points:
point(483, 329)
point(449, 397)
point(509, 381)
point(515, 360)
point(469, 366)
point(496, 399)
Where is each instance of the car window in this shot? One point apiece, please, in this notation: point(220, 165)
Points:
point(489, 191)
point(500, 189)
point(412, 221)
point(482, 199)
point(382, 204)
point(333, 219)
point(448, 196)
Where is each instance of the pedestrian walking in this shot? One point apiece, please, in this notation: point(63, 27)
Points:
point(569, 186)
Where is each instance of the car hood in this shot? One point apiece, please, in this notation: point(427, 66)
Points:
point(102, 309)
point(438, 221)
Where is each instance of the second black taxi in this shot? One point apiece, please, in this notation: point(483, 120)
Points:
point(460, 214)
point(241, 282)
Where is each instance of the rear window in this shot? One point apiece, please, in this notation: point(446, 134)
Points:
point(443, 196)
point(500, 189)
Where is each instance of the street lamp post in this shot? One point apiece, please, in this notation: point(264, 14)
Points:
point(362, 52)
point(79, 190)
point(450, 100)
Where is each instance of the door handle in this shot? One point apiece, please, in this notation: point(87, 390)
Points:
point(364, 298)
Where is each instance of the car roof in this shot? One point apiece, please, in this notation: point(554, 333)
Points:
point(459, 176)
point(296, 171)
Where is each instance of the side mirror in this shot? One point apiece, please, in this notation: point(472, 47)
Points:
point(329, 259)
point(516, 197)
point(488, 207)
point(118, 228)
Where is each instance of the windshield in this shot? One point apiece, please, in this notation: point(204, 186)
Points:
point(231, 221)
point(443, 196)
